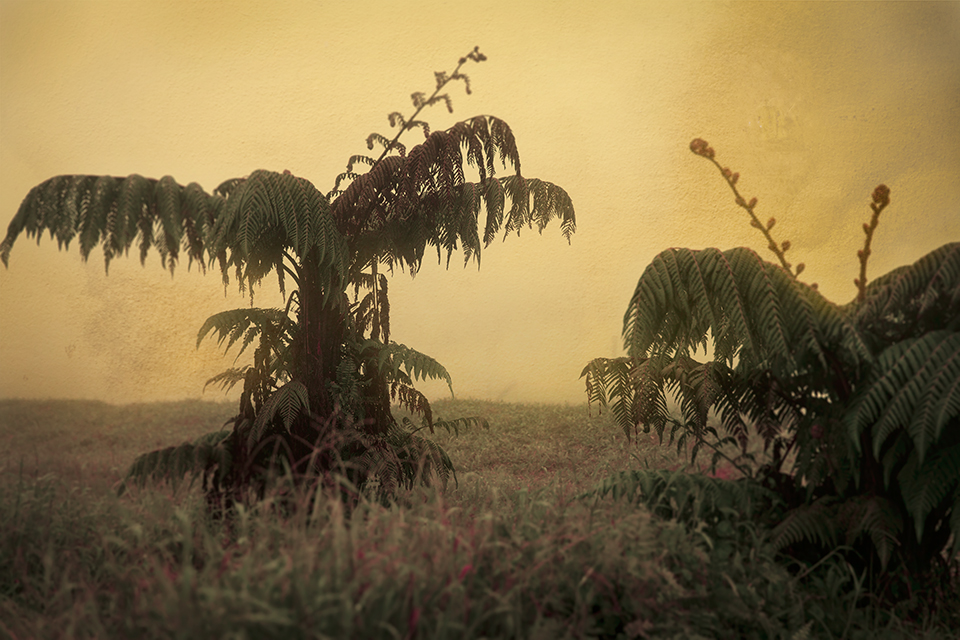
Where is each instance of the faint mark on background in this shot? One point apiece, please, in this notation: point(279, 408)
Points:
point(773, 123)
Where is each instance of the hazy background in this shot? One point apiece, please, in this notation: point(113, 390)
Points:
point(813, 103)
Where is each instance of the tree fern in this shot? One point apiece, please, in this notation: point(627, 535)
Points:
point(857, 405)
point(324, 366)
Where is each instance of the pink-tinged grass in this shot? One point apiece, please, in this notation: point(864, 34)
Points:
point(509, 553)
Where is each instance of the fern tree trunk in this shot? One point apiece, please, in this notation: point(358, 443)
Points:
point(318, 351)
point(324, 339)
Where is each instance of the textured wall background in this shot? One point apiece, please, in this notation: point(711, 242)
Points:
point(813, 103)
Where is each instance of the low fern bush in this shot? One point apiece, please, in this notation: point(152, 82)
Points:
point(857, 406)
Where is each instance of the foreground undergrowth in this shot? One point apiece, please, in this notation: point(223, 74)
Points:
point(509, 552)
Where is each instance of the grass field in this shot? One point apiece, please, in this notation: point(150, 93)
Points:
point(509, 551)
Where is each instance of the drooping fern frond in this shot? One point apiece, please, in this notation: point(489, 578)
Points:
point(416, 366)
point(382, 211)
point(116, 212)
point(288, 402)
point(468, 422)
point(206, 455)
point(930, 485)
point(876, 517)
point(815, 522)
point(915, 386)
point(755, 311)
point(270, 215)
point(228, 378)
point(246, 225)
point(232, 325)
point(407, 397)
point(703, 387)
point(611, 381)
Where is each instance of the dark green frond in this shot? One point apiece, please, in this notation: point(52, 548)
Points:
point(913, 299)
point(288, 403)
point(754, 310)
point(269, 214)
point(929, 484)
point(913, 387)
point(417, 366)
point(116, 212)
point(413, 401)
point(610, 382)
point(814, 523)
point(175, 463)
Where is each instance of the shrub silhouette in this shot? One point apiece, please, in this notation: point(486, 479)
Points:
point(857, 405)
point(317, 397)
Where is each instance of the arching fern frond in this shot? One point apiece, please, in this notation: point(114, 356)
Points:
point(930, 484)
point(814, 523)
point(755, 311)
point(611, 380)
point(876, 517)
point(289, 402)
point(227, 379)
point(207, 454)
point(453, 426)
point(914, 387)
point(413, 401)
point(913, 299)
point(234, 324)
point(116, 212)
point(246, 225)
point(271, 213)
point(404, 204)
point(417, 366)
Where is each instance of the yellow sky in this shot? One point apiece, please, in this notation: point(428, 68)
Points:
point(813, 103)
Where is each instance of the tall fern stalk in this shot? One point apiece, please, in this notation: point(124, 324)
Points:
point(325, 374)
point(857, 405)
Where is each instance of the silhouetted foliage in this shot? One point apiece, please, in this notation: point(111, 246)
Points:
point(316, 400)
point(857, 405)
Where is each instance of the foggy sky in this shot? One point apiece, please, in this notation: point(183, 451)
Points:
point(813, 103)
